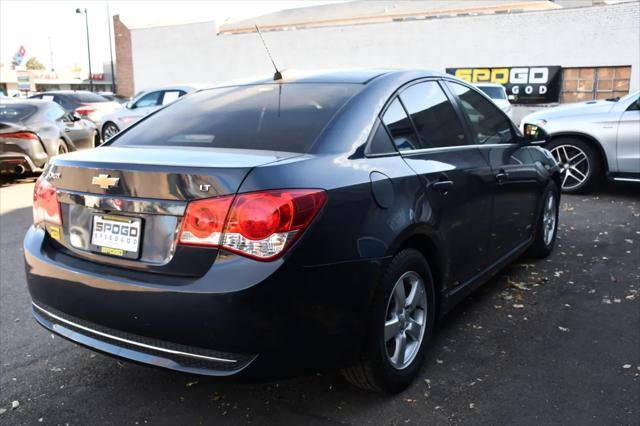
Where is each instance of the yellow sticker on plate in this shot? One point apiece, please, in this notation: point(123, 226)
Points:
point(112, 251)
point(54, 231)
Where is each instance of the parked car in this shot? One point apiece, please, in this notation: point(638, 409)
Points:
point(251, 229)
point(144, 103)
point(32, 132)
point(115, 98)
point(593, 139)
point(87, 105)
point(498, 95)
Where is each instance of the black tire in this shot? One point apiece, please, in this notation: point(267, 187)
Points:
point(107, 128)
point(62, 147)
point(591, 167)
point(96, 139)
point(542, 246)
point(374, 371)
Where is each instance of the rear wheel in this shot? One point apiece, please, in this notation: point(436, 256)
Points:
point(579, 163)
point(402, 321)
point(96, 139)
point(109, 130)
point(62, 147)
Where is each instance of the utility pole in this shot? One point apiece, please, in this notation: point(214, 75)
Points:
point(86, 22)
point(53, 68)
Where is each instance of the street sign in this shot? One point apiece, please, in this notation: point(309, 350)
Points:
point(24, 81)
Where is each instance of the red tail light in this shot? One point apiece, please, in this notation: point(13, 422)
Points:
point(85, 110)
point(20, 135)
point(260, 225)
point(204, 221)
point(45, 203)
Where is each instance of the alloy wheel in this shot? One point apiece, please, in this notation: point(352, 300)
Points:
point(549, 219)
point(574, 165)
point(405, 320)
point(109, 131)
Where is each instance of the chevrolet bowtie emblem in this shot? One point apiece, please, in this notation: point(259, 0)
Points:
point(104, 181)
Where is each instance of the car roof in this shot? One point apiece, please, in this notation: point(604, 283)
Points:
point(34, 102)
point(185, 87)
point(328, 76)
point(64, 92)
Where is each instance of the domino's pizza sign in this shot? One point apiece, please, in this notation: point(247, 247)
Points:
point(529, 85)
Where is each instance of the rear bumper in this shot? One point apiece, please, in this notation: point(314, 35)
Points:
point(11, 162)
point(139, 349)
point(243, 316)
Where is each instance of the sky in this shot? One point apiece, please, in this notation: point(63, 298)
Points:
point(39, 25)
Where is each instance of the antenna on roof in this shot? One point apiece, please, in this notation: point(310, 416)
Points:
point(277, 75)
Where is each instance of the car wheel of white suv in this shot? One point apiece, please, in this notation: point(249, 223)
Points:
point(579, 162)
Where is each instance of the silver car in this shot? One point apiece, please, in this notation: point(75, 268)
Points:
point(143, 104)
point(593, 139)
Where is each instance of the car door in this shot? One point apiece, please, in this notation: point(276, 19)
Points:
point(628, 145)
point(428, 133)
point(516, 182)
point(76, 131)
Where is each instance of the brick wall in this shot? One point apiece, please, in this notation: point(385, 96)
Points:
point(124, 62)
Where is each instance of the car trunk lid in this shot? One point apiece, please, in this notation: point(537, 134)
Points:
point(106, 187)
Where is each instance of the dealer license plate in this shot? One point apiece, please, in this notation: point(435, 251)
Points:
point(117, 235)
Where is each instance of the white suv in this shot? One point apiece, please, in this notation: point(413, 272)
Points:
point(498, 95)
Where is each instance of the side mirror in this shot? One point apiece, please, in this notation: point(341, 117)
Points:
point(534, 135)
point(75, 117)
point(129, 105)
point(511, 97)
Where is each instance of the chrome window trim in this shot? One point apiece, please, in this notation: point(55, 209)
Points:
point(124, 204)
point(131, 342)
point(453, 148)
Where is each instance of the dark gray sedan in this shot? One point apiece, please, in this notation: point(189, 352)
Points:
point(31, 132)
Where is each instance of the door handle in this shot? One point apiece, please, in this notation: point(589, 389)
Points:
point(501, 176)
point(442, 186)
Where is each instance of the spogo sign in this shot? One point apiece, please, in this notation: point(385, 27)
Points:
point(539, 84)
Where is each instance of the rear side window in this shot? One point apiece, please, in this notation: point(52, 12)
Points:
point(488, 123)
point(380, 142)
point(171, 95)
point(149, 100)
point(55, 112)
point(400, 128)
point(433, 116)
point(276, 117)
point(88, 97)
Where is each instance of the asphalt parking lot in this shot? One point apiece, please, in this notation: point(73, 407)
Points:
point(555, 341)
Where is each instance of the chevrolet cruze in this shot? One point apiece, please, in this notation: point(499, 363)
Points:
point(283, 225)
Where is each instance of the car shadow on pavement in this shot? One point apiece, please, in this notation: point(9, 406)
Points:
point(9, 179)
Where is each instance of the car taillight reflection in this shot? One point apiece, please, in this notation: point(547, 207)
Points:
point(85, 110)
point(45, 203)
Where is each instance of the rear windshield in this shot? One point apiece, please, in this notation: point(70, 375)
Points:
point(274, 117)
point(88, 97)
point(494, 92)
point(15, 113)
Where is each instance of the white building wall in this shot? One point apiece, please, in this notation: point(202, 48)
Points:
point(578, 37)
